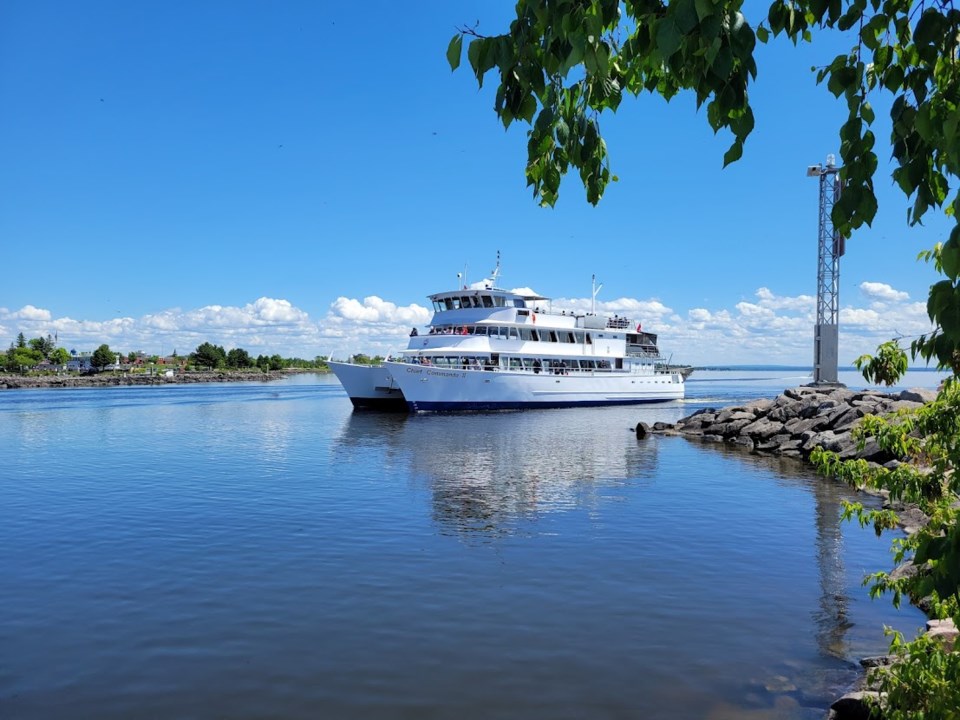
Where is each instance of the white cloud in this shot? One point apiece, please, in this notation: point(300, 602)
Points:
point(30, 314)
point(769, 329)
point(645, 311)
point(798, 303)
point(266, 325)
point(883, 292)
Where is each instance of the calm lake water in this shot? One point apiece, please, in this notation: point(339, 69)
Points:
point(260, 550)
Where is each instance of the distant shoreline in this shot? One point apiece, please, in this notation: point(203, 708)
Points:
point(113, 379)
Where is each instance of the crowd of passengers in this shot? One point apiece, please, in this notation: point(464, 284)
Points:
point(512, 333)
point(535, 365)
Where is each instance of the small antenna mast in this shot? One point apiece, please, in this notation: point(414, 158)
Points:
point(596, 289)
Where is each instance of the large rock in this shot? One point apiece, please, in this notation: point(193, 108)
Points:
point(828, 440)
point(797, 426)
point(762, 428)
point(845, 420)
point(729, 429)
point(920, 395)
point(892, 406)
point(697, 421)
point(855, 706)
point(734, 413)
point(943, 630)
point(759, 407)
point(784, 412)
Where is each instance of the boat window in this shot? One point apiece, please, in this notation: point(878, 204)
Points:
point(526, 334)
point(437, 306)
point(553, 336)
point(465, 302)
point(566, 337)
point(480, 330)
point(589, 339)
point(515, 363)
point(448, 304)
point(475, 301)
point(514, 333)
point(498, 300)
point(535, 335)
point(517, 302)
point(487, 301)
point(579, 336)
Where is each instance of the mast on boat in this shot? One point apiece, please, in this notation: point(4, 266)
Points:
point(596, 289)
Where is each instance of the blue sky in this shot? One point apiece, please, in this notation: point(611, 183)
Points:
point(296, 178)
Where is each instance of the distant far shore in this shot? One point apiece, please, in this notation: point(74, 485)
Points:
point(106, 379)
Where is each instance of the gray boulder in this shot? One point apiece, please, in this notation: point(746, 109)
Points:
point(734, 413)
point(797, 426)
point(828, 440)
point(731, 428)
point(855, 706)
point(762, 428)
point(847, 419)
point(920, 395)
point(758, 407)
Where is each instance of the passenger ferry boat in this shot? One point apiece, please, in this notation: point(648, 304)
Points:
point(487, 348)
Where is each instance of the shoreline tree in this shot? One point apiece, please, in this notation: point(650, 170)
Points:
point(209, 356)
point(102, 358)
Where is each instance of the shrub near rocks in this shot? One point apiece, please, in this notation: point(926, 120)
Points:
point(905, 447)
point(923, 490)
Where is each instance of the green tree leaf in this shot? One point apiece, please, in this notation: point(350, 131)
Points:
point(454, 51)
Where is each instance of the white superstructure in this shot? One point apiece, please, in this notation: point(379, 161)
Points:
point(488, 348)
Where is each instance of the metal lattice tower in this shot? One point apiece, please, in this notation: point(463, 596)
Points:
point(830, 249)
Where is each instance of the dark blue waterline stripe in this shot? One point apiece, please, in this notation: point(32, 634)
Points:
point(482, 406)
point(397, 404)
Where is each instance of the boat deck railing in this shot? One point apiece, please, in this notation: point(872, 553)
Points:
point(545, 368)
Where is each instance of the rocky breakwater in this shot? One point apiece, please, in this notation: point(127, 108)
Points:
point(797, 421)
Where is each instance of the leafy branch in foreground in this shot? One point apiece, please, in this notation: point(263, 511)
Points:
point(886, 368)
point(924, 682)
point(563, 63)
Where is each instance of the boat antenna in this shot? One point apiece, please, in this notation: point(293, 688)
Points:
point(596, 289)
point(495, 273)
point(465, 283)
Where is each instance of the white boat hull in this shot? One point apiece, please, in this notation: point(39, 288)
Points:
point(435, 389)
point(369, 386)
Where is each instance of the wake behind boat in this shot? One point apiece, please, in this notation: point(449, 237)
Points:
point(488, 348)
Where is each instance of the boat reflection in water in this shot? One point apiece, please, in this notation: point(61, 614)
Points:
point(487, 471)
